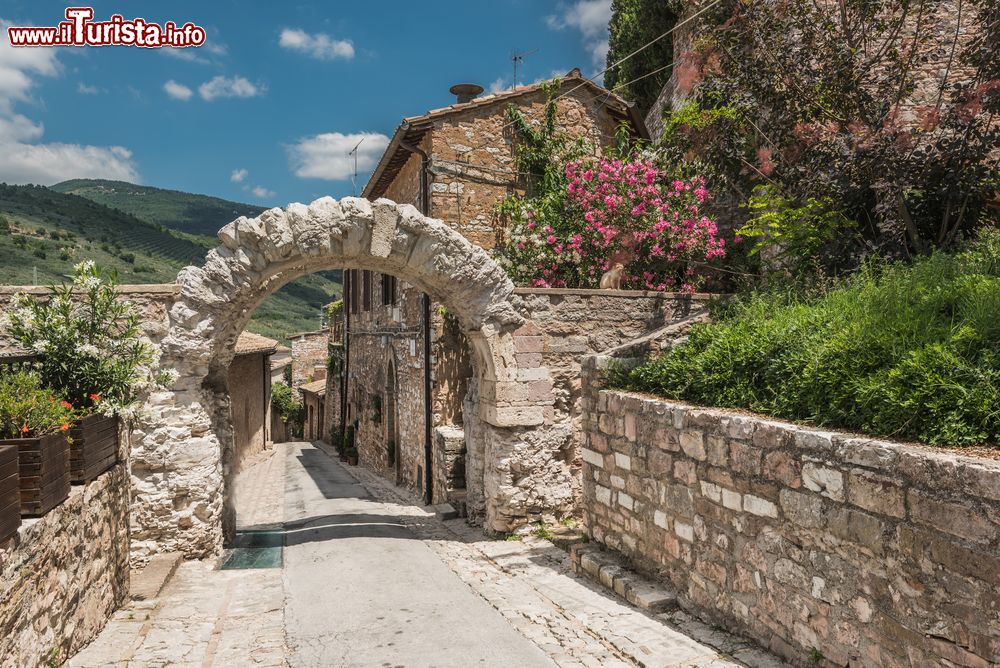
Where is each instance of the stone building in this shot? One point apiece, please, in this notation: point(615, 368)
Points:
point(455, 164)
point(309, 355)
point(280, 361)
point(250, 395)
point(314, 404)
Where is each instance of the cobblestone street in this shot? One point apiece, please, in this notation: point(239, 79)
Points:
point(369, 578)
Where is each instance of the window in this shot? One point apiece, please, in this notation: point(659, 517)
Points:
point(366, 291)
point(388, 290)
point(352, 278)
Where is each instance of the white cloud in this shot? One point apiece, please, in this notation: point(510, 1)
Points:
point(178, 91)
point(591, 18)
point(262, 192)
point(24, 159)
point(320, 45)
point(207, 54)
point(84, 89)
point(238, 175)
point(221, 86)
point(189, 54)
point(500, 85)
point(326, 156)
point(51, 163)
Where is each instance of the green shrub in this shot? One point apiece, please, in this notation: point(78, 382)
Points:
point(91, 342)
point(29, 410)
point(285, 405)
point(910, 352)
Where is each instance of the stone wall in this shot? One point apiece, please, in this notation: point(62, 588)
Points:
point(64, 574)
point(823, 546)
point(567, 325)
point(386, 360)
point(309, 355)
point(250, 403)
point(472, 155)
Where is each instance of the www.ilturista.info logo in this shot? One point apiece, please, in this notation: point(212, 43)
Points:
point(80, 30)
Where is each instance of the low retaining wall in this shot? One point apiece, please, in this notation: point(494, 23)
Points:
point(64, 574)
point(825, 547)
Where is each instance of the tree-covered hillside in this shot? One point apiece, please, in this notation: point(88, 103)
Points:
point(43, 233)
point(186, 212)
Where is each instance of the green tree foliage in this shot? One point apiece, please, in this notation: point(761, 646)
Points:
point(91, 345)
point(907, 351)
point(820, 101)
point(633, 24)
point(289, 410)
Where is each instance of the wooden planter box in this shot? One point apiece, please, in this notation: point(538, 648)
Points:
point(10, 500)
point(43, 470)
point(93, 448)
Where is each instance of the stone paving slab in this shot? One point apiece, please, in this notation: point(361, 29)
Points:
point(206, 617)
point(532, 584)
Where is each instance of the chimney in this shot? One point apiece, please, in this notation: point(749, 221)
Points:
point(465, 92)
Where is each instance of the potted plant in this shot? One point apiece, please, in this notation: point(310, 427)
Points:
point(36, 424)
point(93, 352)
point(352, 456)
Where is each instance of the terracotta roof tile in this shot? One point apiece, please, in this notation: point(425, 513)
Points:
point(317, 387)
point(250, 343)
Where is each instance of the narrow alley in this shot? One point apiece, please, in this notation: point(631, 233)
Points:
point(337, 568)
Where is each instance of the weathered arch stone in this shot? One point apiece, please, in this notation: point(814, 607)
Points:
point(181, 453)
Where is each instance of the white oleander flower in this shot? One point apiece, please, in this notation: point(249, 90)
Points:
point(88, 350)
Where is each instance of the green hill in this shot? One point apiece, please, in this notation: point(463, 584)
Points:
point(43, 233)
point(185, 212)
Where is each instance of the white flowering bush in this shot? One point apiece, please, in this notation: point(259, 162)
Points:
point(90, 343)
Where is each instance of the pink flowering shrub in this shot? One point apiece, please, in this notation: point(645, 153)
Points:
point(613, 211)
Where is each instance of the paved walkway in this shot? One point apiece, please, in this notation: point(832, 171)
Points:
point(371, 579)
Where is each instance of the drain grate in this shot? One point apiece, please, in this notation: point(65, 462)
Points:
point(254, 549)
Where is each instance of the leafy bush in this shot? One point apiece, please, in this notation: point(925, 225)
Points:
point(903, 351)
point(29, 410)
point(285, 405)
point(91, 344)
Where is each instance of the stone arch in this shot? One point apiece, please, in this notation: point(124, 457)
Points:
point(259, 255)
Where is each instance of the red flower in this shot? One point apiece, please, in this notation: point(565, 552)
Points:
point(24, 428)
point(67, 405)
point(64, 427)
point(95, 397)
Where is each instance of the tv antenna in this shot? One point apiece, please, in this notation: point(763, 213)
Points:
point(518, 58)
point(354, 174)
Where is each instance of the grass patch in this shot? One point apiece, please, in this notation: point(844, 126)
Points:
point(905, 351)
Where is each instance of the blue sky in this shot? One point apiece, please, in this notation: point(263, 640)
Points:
point(266, 111)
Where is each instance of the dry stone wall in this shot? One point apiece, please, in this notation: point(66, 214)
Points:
point(567, 325)
point(822, 546)
point(64, 574)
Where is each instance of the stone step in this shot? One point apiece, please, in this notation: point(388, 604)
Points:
point(444, 511)
point(607, 569)
point(457, 497)
point(148, 582)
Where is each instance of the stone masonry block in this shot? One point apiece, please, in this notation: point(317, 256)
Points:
point(693, 444)
point(827, 481)
point(758, 506)
point(593, 458)
point(623, 461)
point(876, 493)
point(953, 518)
